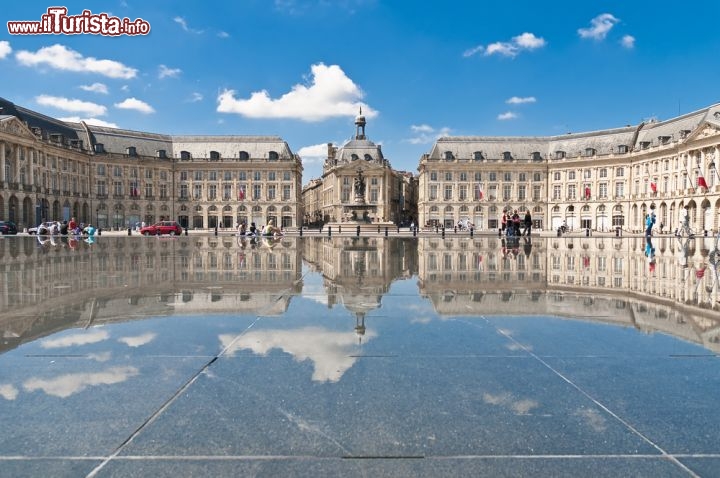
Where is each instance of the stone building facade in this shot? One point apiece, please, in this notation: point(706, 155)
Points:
point(598, 180)
point(358, 186)
point(114, 178)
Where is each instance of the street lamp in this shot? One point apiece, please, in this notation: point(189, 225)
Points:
point(117, 215)
point(97, 217)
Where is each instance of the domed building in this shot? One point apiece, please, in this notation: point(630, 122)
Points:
point(358, 186)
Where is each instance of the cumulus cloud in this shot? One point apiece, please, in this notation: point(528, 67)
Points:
point(628, 41)
point(313, 154)
point(600, 26)
point(84, 338)
point(92, 121)
point(165, 72)
point(5, 49)
point(523, 42)
point(330, 93)
point(516, 100)
point(95, 88)
point(426, 134)
point(135, 104)
point(138, 340)
point(508, 115)
point(71, 105)
point(69, 384)
point(61, 57)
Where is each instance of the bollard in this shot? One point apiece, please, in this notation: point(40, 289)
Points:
point(186, 230)
point(357, 231)
point(499, 232)
point(386, 231)
point(398, 230)
point(443, 232)
point(617, 232)
point(339, 229)
point(301, 231)
point(99, 231)
point(216, 229)
point(129, 231)
point(706, 235)
point(414, 231)
point(455, 229)
point(329, 231)
point(472, 230)
point(587, 232)
point(378, 228)
point(559, 232)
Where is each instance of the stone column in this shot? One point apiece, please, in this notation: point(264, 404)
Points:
point(2, 161)
point(31, 165)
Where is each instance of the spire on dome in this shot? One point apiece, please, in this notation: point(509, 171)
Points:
point(360, 125)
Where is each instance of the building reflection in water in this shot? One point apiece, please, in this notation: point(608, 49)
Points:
point(46, 288)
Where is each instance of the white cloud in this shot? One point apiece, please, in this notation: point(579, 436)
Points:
point(138, 340)
point(316, 153)
point(70, 105)
point(8, 391)
point(84, 338)
point(508, 115)
point(601, 25)
point(135, 104)
point(62, 58)
point(69, 384)
point(125, 87)
point(330, 93)
point(165, 72)
point(628, 41)
point(92, 121)
point(330, 352)
point(222, 34)
point(195, 97)
point(181, 21)
point(516, 100)
point(426, 134)
point(524, 41)
point(5, 49)
point(95, 88)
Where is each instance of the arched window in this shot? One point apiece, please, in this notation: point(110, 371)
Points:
point(368, 157)
point(449, 156)
point(273, 156)
point(185, 155)
point(214, 156)
point(244, 156)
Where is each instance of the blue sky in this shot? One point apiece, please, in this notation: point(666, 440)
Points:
point(300, 69)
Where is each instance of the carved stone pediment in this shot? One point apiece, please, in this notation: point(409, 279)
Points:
point(704, 130)
point(16, 127)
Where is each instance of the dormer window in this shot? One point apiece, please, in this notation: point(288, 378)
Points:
point(644, 144)
point(664, 139)
point(354, 157)
point(478, 156)
point(214, 156)
point(243, 156)
point(449, 156)
point(507, 156)
point(536, 156)
point(590, 152)
point(684, 133)
point(622, 149)
point(368, 157)
point(560, 154)
point(56, 138)
point(161, 153)
point(76, 143)
point(273, 156)
point(131, 151)
point(185, 155)
point(99, 148)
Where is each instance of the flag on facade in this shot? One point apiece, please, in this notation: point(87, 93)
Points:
point(241, 194)
point(653, 187)
point(700, 273)
point(587, 192)
point(701, 182)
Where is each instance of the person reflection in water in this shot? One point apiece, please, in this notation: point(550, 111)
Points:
point(650, 253)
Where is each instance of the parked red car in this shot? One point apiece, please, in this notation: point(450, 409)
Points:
point(163, 227)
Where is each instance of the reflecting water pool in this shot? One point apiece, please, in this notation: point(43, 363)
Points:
point(358, 356)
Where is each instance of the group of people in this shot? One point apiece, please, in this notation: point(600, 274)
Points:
point(269, 230)
point(65, 228)
point(512, 223)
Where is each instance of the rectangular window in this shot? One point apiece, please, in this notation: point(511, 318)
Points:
point(619, 189)
point(227, 176)
point(212, 176)
point(536, 192)
point(478, 176)
point(101, 188)
point(227, 192)
point(148, 174)
point(463, 192)
point(183, 191)
point(433, 192)
point(493, 176)
point(522, 177)
point(212, 192)
point(118, 188)
point(148, 190)
point(603, 190)
point(257, 176)
point(374, 195)
point(242, 176)
point(117, 171)
point(183, 175)
point(197, 191)
point(101, 170)
point(620, 172)
point(556, 192)
point(271, 175)
point(257, 191)
point(286, 192)
point(448, 192)
point(522, 192)
point(571, 175)
point(433, 175)
point(271, 192)
point(571, 191)
point(507, 177)
point(163, 191)
point(198, 175)
point(463, 176)
point(286, 175)
point(507, 192)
